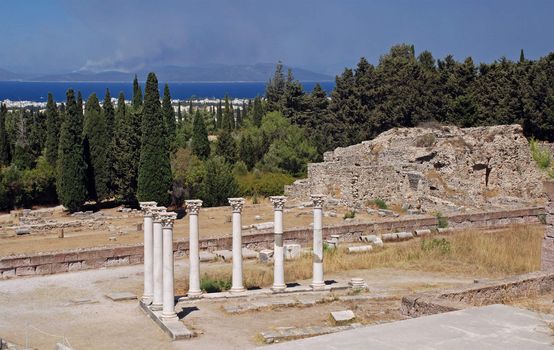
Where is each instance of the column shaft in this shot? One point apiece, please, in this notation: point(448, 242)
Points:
point(237, 285)
point(318, 282)
point(278, 252)
point(194, 257)
point(148, 259)
point(168, 311)
point(157, 300)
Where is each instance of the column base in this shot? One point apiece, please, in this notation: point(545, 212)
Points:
point(146, 299)
point(279, 288)
point(236, 290)
point(193, 294)
point(317, 285)
point(170, 317)
point(156, 307)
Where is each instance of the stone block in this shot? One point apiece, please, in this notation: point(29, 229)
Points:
point(45, 269)
point(249, 254)
point(359, 249)
point(8, 273)
point(404, 235)
point(549, 189)
point(93, 263)
point(265, 255)
point(14, 262)
point(116, 261)
point(74, 266)
point(549, 232)
point(226, 255)
point(292, 251)
point(22, 231)
point(388, 237)
point(25, 271)
point(263, 226)
point(343, 316)
point(547, 254)
point(60, 267)
point(550, 219)
point(373, 239)
point(549, 208)
point(121, 296)
point(137, 259)
point(422, 232)
point(207, 256)
point(413, 212)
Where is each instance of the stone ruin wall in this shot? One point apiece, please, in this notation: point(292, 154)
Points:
point(445, 169)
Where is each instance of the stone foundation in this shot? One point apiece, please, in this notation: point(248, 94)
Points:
point(93, 258)
point(547, 256)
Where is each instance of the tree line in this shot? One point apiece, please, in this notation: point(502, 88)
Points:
point(88, 152)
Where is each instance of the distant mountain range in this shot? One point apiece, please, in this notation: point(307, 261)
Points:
point(203, 73)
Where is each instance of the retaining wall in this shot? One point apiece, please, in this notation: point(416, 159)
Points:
point(93, 258)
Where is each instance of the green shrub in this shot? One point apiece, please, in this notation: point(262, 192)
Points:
point(441, 246)
point(442, 220)
point(542, 218)
point(349, 214)
point(381, 204)
point(540, 154)
point(263, 184)
point(212, 285)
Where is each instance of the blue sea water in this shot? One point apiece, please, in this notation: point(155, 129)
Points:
point(38, 91)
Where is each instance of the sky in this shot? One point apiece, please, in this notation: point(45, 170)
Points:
point(55, 36)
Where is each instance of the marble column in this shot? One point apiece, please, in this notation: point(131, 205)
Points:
point(318, 282)
point(148, 292)
point(168, 310)
point(193, 207)
point(278, 251)
point(236, 285)
point(157, 300)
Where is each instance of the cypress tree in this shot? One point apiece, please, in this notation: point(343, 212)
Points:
point(258, 112)
point(109, 114)
point(4, 142)
point(191, 109)
point(219, 116)
point(137, 94)
point(53, 124)
point(80, 106)
point(154, 180)
point(125, 153)
point(96, 150)
point(179, 114)
point(22, 155)
point(226, 146)
point(228, 120)
point(70, 181)
point(200, 144)
point(521, 56)
point(169, 117)
point(275, 89)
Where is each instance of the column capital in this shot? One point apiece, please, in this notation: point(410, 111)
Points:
point(318, 200)
point(156, 213)
point(146, 207)
point(278, 202)
point(193, 206)
point(167, 219)
point(236, 204)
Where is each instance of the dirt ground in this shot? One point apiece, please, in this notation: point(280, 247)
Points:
point(41, 310)
point(214, 222)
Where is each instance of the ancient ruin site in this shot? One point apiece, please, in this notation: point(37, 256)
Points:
point(434, 237)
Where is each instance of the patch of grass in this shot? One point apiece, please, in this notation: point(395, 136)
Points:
point(540, 154)
point(380, 203)
point(214, 285)
point(441, 246)
point(349, 214)
point(442, 220)
point(542, 218)
point(488, 254)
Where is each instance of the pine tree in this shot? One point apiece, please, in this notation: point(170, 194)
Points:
point(169, 117)
point(5, 157)
point(137, 94)
point(70, 180)
point(96, 150)
point(200, 144)
point(125, 153)
point(293, 101)
point(53, 125)
point(275, 88)
point(226, 146)
point(219, 183)
point(154, 180)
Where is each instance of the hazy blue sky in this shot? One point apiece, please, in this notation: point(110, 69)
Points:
point(60, 36)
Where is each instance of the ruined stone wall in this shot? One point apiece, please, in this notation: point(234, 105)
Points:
point(444, 169)
point(93, 258)
point(547, 253)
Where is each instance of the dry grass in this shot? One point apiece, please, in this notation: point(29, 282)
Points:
point(492, 254)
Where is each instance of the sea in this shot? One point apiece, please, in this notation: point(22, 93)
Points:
point(38, 91)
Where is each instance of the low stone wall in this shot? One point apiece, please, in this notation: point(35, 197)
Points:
point(537, 283)
point(93, 258)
